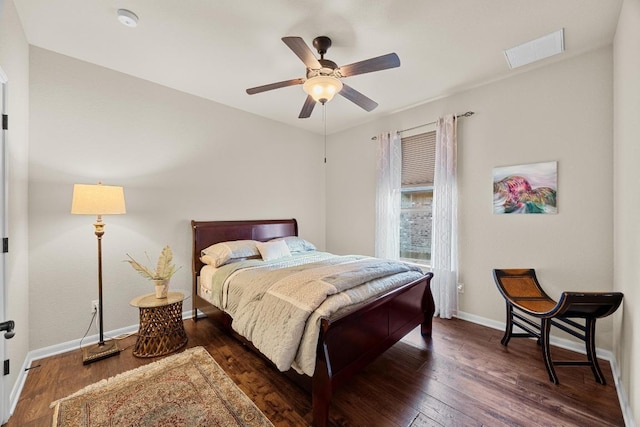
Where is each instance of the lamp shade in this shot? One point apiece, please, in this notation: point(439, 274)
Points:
point(97, 199)
point(322, 88)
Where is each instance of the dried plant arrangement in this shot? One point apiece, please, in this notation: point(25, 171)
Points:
point(164, 267)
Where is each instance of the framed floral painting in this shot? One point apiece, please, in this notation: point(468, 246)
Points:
point(526, 189)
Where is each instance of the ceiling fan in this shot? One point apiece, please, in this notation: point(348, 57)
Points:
point(323, 76)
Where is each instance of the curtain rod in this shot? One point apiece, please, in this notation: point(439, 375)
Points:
point(467, 114)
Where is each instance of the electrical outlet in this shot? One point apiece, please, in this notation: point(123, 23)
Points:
point(95, 306)
point(461, 288)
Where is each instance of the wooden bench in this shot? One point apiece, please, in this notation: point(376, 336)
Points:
point(526, 299)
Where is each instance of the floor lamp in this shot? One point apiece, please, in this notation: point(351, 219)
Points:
point(98, 200)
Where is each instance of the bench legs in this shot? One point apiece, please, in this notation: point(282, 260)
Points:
point(544, 328)
point(589, 338)
point(541, 332)
point(508, 330)
point(590, 343)
point(546, 351)
point(530, 328)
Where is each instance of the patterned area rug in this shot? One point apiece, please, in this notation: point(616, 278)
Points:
point(186, 389)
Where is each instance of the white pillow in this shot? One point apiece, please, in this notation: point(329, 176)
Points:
point(296, 244)
point(224, 252)
point(210, 261)
point(273, 250)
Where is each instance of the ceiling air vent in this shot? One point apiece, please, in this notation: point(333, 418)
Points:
point(535, 50)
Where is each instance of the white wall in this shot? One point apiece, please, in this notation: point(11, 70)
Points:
point(626, 197)
point(14, 60)
point(178, 157)
point(561, 112)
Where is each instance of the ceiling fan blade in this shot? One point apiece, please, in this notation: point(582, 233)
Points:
point(383, 62)
point(300, 48)
point(307, 108)
point(271, 86)
point(357, 98)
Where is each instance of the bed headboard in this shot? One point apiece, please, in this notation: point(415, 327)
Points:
point(207, 233)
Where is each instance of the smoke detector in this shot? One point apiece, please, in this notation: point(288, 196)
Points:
point(128, 18)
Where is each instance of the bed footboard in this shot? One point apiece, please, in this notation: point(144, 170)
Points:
point(347, 344)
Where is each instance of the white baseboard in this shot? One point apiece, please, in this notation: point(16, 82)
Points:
point(576, 347)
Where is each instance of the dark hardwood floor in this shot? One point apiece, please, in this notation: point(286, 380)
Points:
point(460, 377)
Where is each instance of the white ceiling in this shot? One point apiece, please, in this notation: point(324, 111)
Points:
point(218, 48)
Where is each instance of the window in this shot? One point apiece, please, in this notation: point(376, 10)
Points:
point(418, 162)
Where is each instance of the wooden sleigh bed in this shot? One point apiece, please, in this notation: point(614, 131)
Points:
point(347, 342)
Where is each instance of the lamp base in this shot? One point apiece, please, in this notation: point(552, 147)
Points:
point(95, 352)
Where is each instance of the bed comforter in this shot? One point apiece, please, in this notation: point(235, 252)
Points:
point(278, 305)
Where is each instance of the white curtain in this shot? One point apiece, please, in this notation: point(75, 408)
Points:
point(388, 196)
point(444, 243)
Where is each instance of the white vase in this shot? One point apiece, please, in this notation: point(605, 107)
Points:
point(162, 287)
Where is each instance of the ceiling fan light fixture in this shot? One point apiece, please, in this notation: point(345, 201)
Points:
point(322, 88)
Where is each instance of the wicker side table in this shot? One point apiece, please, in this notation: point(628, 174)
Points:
point(161, 329)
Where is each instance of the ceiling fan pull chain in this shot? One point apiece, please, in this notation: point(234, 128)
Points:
point(324, 119)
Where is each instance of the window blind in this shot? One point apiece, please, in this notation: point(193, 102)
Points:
point(418, 159)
